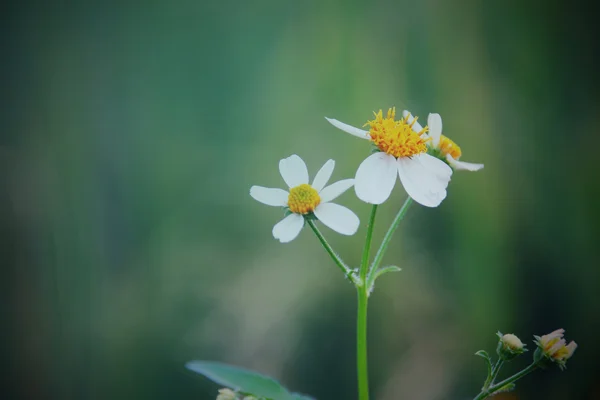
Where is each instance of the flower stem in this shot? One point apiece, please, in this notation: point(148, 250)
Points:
point(364, 265)
point(386, 240)
point(361, 318)
point(494, 388)
point(336, 258)
point(361, 344)
point(496, 370)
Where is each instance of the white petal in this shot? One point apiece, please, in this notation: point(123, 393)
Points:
point(375, 178)
point(293, 171)
point(434, 122)
point(335, 189)
point(269, 196)
point(349, 129)
point(338, 218)
point(288, 228)
point(425, 178)
point(323, 175)
point(461, 165)
point(417, 126)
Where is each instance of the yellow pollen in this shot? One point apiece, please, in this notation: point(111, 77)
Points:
point(447, 146)
point(396, 137)
point(303, 199)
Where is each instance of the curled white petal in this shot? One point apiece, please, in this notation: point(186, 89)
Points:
point(417, 126)
point(323, 175)
point(269, 196)
point(462, 165)
point(434, 122)
point(293, 171)
point(335, 189)
point(349, 129)
point(288, 228)
point(425, 178)
point(338, 218)
point(375, 178)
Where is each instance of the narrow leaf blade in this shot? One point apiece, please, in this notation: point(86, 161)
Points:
point(240, 379)
point(484, 354)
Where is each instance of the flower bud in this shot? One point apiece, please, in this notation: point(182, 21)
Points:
point(509, 346)
point(226, 394)
point(553, 348)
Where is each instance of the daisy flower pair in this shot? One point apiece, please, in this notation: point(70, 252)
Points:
point(422, 158)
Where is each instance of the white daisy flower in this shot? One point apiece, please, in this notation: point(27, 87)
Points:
point(307, 201)
point(442, 146)
point(403, 152)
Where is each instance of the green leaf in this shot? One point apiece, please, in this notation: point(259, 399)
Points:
point(241, 380)
point(483, 354)
point(385, 270)
point(298, 396)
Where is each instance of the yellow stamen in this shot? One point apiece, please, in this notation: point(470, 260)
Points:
point(447, 146)
point(303, 199)
point(396, 137)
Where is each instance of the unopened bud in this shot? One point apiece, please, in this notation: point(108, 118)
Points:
point(509, 346)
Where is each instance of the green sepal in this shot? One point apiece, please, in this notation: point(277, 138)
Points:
point(310, 216)
point(241, 380)
point(437, 153)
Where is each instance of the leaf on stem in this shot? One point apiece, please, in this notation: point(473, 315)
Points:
point(384, 270)
point(379, 272)
point(242, 380)
point(483, 354)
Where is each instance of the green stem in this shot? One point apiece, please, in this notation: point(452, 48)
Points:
point(364, 265)
point(386, 240)
point(496, 370)
point(361, 318)
point(336, 258)
point(361, 344)
point(494, 388)
point(493, 374)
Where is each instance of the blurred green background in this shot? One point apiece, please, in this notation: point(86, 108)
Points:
point(132, 134)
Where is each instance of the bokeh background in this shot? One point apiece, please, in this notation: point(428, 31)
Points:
point(132, 133)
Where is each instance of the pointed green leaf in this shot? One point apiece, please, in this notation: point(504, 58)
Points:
point(240, 379)
point(384, 270)
point(483, 354)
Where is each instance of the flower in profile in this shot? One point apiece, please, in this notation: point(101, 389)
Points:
point(307, 201)
point(442, 146)
point(400, 151)
point(509, 346)
point(554, 348)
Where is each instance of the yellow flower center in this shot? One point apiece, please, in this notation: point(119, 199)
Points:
point(303, 199)
point(396, 137)
point(447, 146)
